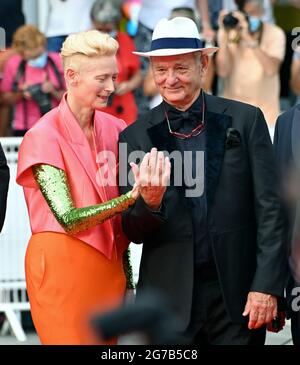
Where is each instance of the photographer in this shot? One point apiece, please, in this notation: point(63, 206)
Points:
point(249, 59)
point(32, 79)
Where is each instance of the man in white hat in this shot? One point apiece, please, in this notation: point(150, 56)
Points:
point(212, 239)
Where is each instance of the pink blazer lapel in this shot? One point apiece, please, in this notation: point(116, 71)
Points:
point(74, 136)
point(107, 130)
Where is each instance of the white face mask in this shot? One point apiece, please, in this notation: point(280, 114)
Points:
point(40, 61)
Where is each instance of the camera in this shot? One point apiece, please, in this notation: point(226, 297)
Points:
point(42, 99)
point(230, 21)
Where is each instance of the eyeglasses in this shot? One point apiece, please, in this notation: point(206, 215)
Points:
point(195, 132)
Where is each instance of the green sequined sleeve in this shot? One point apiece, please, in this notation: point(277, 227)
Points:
point(54, 186)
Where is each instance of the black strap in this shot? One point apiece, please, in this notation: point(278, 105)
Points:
point(20, 73)
point(56, 71)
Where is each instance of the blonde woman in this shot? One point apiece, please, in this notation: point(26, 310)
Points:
point(74, 257)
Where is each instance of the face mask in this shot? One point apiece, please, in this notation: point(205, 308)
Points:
point(40, 61)
point(254, 24)
point(113, 33)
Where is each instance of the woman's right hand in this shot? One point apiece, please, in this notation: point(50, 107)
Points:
point(135, 192)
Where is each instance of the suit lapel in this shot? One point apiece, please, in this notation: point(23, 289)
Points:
point(159, 132)
point(217, 124)
point(295, 136)
point(86, 158)
point(162, 139)
point(74, 136)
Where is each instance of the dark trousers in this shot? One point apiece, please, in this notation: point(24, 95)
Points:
point(295, 327)
point(293, 311)
point(210, 323)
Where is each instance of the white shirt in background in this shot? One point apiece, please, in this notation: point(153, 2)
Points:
point(67, 17)
point(154, 10)
point(268, 10)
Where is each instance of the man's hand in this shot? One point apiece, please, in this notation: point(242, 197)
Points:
point(223, 33)
point(209, 34)
point(152, 177)
point(261, 308)
point(221, 17)
point(122, 88)
point(243, 27)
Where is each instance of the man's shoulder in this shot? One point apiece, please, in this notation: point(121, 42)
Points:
point(288, 115)
point(229, 105)
point(273, 29)
point(142, 123)
point(243, 116)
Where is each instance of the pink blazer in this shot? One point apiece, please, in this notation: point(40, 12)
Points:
point(58, 140)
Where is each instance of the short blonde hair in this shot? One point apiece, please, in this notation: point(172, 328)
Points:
point(28, 37)
point(91, 44)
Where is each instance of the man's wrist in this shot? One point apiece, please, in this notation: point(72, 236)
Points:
point(128, 85)
point(206, 25)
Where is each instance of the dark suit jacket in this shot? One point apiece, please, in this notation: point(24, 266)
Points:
point(244, 219)
point(287, 152)
point(286, 146)
point(4, 180)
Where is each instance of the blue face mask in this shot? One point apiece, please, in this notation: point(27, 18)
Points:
point(254, 24)
point(113, 34)
point(40, 61)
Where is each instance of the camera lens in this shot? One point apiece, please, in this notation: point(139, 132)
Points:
point(230, 21)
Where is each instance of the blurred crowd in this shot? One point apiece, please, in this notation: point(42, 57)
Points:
point(258, 61)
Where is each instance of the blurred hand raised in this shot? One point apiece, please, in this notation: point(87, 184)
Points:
point(152, 177)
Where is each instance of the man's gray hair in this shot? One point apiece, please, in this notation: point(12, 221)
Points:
point(106, 11)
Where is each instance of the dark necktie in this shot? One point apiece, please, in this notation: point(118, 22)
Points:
point(189, 119)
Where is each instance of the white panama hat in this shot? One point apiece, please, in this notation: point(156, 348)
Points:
point(176, 36)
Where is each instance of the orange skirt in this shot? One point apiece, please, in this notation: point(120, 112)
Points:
point(68, 281)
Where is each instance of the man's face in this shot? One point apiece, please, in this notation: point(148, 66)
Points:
point(178, 78)
point(105, 27)
point(253, 9)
